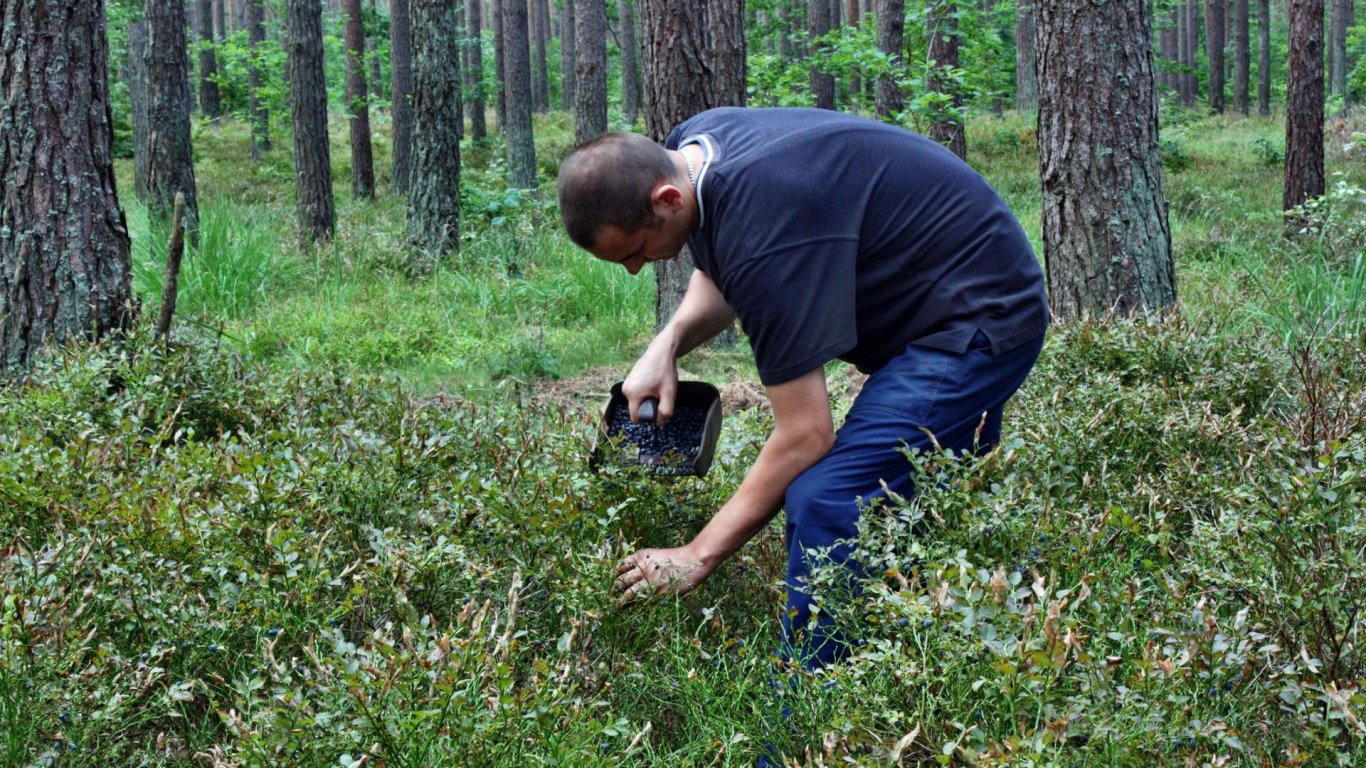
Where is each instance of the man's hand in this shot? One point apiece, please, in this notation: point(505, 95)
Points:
point(652, 572)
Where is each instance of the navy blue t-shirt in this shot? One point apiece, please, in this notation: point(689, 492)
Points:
point(834, 236)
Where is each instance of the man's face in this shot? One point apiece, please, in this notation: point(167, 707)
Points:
point(634, 250)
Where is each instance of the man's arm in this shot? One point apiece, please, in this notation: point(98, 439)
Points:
point(702, 314)
point(803, 432)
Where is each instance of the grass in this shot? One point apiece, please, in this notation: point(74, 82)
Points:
point(262, 545)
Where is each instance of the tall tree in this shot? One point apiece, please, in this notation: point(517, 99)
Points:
point(1026, 54)
point(1107, 240)
point(521, 150)
point(474, 73)
point(376, 70)
point(63, 240)
point(308, 106)
point(726, 36)
point(256, 105)
point(1340, 18)
point(818, 24)
point(1264, 57)
point(679, 81)
point(891, 32)
point(1214, 52)
point(170, 161)
point(1190, 44)
point(401, 89)
point(540, 76)
point(590, 70)
point(137, 104)
point(942, 29)
point(630, 61)
point(434, 189)
point(209, 102)
point(220, 21)
point(568, 54)
point(500, 101)
point(1169, 44)
point(1304, 174)
point(1242, 56)
point(358, 104)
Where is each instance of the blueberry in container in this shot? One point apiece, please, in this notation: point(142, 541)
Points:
point(683, 446)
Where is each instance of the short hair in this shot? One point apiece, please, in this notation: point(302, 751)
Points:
point(608, 180)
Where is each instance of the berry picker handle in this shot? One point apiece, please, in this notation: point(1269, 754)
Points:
point(649, 408)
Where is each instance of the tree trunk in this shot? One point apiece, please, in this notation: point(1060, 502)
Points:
point(474, 73)
point(500, 101)
point(1193, 22)
point(401, 92)
point(517, 69)
point(1214, 51)
point(947, 128)
point(1171, 56)
point(308, 106)
point(678, 75)
point(1341, 19)
point(65, 263)
point(209, 103)
point(817, 25)
point(1107, 240)
point(1304, 173)
point(170, 162)
point(590, 70)
point(630, 62)
point(358, 104)
point(376, 70)
point(220, 21)
point(1026, 58)
point(540, 76)
point(568, 52)
point(726, 41)
point(1242, 63)
point(1264, 57)
point(434, 191)
point(891, 32)
point(260, 113)
point(137, 103)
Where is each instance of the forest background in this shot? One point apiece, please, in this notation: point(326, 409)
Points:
point(343, 515)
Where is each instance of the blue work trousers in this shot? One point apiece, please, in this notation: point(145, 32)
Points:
point(920, 390)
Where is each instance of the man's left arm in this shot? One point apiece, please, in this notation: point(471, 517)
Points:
point(803, 432)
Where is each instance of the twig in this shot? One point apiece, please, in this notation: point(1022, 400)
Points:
point(175, 249)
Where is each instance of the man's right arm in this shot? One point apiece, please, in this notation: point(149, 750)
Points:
point(701, 315)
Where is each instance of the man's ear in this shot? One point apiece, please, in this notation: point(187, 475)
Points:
point(667, 195)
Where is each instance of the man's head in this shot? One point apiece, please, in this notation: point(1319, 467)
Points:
point(609, 181)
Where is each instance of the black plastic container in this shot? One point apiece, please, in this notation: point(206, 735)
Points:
point(685, 445)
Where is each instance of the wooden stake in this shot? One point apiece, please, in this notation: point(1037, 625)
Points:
point(175, 249)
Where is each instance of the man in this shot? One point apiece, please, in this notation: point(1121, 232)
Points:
point(829, 236)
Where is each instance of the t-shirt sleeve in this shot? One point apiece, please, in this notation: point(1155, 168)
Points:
point(796, 305)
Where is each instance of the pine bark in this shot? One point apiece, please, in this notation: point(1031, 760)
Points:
point(434, 189)
point(401, 89)
point(726, 36)
point(817, 25)
point(1242, 56)
point(1107, 240)
point(521, 150)
point(568, 52)
point(1214, 52)
point(630, 62)
point(500, 101)
point(1304, 162)
point(308, 107)
point(947, 128)
point(891, 34)
point(65, 257)
point(170, 161)
point(220, 21)
point(260, 112)
point(474, 73)
point(376, 71)
point(1341, 18)
point(1190, 86)
point(679, 79)
point(1171, 57)
point(137, 104)
point(590, 70)
point(540, 75)
point(1026, 58)
point(358, 104)
point(209, 102)
point(1264, 57)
